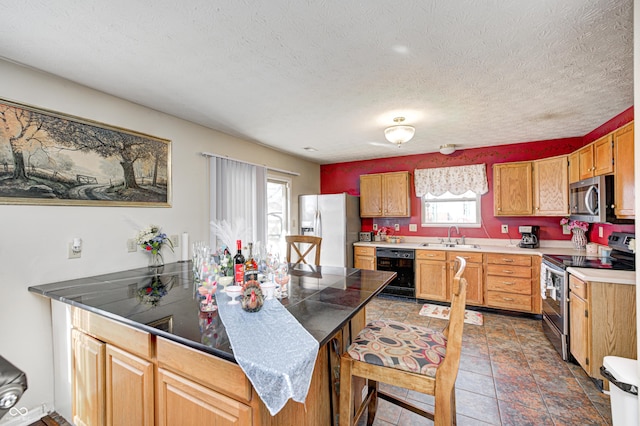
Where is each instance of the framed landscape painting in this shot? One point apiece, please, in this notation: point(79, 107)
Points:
point(57, 159)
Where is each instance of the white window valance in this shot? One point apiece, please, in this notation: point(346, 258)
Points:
point(457, 180)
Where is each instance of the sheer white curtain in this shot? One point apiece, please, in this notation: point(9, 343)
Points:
point(238, 202)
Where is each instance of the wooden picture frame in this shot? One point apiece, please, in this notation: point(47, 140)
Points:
point(50, 158)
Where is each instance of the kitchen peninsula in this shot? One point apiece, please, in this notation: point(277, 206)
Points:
point(143, 352)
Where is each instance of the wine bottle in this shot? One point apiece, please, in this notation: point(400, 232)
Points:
point(250, 266)
point(238, 265)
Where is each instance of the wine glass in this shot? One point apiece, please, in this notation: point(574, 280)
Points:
point(272, 263)
point(282, 278)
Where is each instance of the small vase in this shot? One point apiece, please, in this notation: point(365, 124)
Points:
point(156, 260)
point(579, 239)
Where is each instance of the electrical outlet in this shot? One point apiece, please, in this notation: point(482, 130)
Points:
point(600, 232)
point(375, 226)
point(413, 227)
point(566, 230)
point(74, 254)
point(132, 246)
point(175, 241)
point(396, 226)
point(505, 229)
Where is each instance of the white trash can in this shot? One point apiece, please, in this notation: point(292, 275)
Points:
point(623, 378)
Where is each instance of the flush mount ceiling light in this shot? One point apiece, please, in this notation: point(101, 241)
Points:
point(447, 149)
point(399, 133)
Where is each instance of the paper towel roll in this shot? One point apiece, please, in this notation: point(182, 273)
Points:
point(184, 243)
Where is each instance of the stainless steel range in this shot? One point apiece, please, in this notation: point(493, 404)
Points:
point(554, 285)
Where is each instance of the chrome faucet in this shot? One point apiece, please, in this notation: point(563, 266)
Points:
point(449, 232)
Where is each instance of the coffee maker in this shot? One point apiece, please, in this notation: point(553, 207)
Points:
point(530, 236)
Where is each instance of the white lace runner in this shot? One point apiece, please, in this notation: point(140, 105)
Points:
point(275, 352)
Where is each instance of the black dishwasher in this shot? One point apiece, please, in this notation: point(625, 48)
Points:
point(399, 261)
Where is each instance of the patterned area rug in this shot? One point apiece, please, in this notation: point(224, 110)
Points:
point(442, 312)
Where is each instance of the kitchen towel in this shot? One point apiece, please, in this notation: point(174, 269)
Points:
point(442, 312)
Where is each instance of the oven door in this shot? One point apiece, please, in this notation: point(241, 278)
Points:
point(553, 287)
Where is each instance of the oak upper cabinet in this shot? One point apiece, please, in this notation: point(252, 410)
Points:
point(624, 172)
point(512, 189)
point(596, 159)
point(585, 159)
point(364, 258)
point(431, 275)
point(385, 195)
point(551, 186)
point(603, 156)
point(472, 273)
point(574, 167)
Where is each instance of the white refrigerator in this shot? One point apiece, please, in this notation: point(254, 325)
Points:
point(335, 218)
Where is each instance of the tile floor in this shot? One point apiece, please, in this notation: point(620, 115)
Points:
point(509, 375)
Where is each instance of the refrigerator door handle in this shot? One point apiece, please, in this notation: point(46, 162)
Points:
point(318, 224)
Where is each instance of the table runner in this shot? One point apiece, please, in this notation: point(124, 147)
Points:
point(275, 352)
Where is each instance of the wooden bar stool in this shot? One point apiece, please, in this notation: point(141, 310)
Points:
point(406, 356)
point(296, 240)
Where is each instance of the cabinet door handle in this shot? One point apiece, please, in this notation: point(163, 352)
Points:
point(508, 282)
point(506, 271)
point(507, 260)
point(507, 299)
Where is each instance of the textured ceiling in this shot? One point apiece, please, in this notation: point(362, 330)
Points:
point(333, 74)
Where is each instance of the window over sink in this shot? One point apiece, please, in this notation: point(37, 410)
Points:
point(450, 209)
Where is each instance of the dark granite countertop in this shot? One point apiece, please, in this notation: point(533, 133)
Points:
point(322, 299)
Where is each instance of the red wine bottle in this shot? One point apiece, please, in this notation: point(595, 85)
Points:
point(238, 265)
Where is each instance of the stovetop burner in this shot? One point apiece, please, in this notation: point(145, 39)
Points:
point(622, 258)
point(565, 261)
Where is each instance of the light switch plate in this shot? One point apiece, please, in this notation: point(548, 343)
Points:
point(132, 246)
point(396, 226)
point(375, 226)
point(175, 241)
point(413, 227)
point(600, 232)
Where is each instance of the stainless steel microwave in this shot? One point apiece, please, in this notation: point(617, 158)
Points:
point(588, 200)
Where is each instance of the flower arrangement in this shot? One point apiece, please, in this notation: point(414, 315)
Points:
point(572, 224)
point(150, 239)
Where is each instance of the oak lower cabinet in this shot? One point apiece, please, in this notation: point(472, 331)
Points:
point(184, 402)
point(431, 275)
point(110, 386)
point(385, 195)
point(513, 282)
point(473, 273)
point(602, 322)
point(624, 173)
point(88, 398)
point(364, 258)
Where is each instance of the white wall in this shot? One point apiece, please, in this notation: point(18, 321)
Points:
point(34, 239)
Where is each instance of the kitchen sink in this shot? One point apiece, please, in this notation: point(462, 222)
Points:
point(451, 245)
